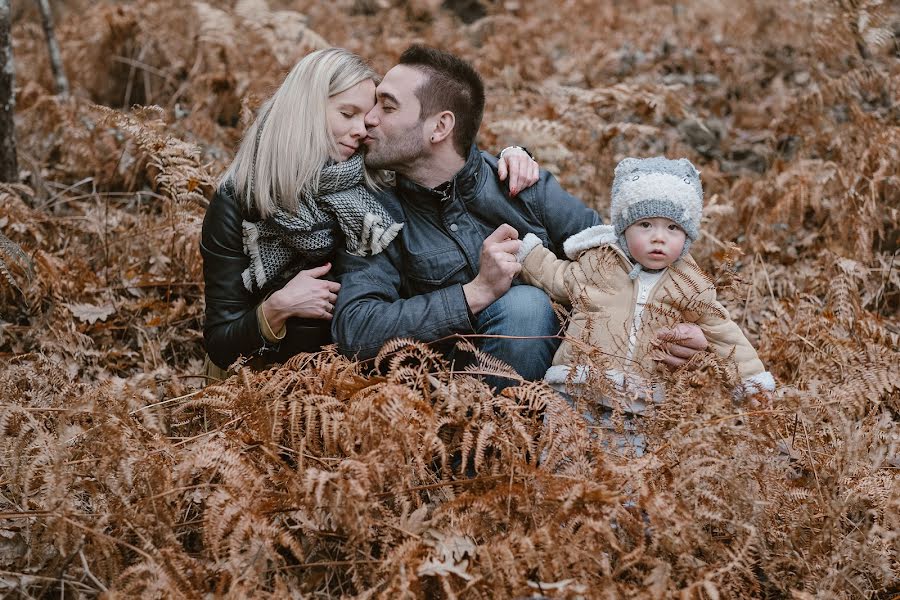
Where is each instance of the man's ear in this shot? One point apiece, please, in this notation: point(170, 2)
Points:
point(443, 124)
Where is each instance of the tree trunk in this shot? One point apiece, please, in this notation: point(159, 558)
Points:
point(59, 75)
point(9, 167)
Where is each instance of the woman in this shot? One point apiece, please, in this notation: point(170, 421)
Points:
point(295, 190)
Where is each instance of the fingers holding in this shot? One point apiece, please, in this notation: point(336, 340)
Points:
point(676, 346)
point(501, 257)
point(503, 240)
point(327, 310)
point(508, 246)
point(673, 362)
point(515, 175)
point(666, 334)
point(316, 272)
point(523, 173)
point(507, 263)
point(682, 352)
point(504, 232)
point(693, 336)
point(663, 353)
point(687, 336)
point(502, 171)
point(326, 300)
point(529, 174)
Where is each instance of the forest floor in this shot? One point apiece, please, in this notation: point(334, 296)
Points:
point(122, 476)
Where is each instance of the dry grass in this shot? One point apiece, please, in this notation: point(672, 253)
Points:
point(121, 478)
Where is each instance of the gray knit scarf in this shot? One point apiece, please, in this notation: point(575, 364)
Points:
point(282, 239)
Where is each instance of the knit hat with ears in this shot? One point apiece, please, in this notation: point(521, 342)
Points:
point(656, 187)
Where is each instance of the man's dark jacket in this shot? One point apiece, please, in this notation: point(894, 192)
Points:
point(414, 287)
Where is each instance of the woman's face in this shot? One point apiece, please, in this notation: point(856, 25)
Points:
point(346, 114)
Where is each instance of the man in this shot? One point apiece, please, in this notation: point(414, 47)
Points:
point(452, 268)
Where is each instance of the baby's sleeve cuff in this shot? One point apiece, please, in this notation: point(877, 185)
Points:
point(755, 384)
point(529, 243)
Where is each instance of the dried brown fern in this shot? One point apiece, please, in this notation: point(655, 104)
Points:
point(319, 478)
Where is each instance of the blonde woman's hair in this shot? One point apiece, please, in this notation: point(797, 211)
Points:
point(284, 150)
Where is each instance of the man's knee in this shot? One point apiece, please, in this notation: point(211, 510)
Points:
point(523, 311)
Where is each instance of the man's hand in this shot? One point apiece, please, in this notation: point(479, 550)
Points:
point(497, 270)
point(680, 343)
point(521, 168)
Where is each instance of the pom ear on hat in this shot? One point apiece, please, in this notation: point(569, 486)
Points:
point(626, 164)
point(689, 166)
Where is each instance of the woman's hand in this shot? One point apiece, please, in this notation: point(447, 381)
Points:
point(305, 296)
point(521, 168)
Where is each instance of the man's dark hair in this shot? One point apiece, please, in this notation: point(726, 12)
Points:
point(451, 84)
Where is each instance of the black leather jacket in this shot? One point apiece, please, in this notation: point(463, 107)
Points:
point(232, 328)
point(414, 287)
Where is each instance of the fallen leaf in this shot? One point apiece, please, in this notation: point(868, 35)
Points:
point(90, 313)
point(453, 552)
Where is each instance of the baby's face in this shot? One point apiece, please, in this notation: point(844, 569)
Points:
point(655, 242)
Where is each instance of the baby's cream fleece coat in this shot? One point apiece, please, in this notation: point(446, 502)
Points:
point(603, 298)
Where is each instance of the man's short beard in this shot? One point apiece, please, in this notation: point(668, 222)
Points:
point(399, 156)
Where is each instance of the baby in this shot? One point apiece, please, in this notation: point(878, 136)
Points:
point(627, 280)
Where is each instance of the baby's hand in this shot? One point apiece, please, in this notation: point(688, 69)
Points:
point(679, 344)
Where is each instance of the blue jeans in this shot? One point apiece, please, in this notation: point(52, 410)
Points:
point(523, 311)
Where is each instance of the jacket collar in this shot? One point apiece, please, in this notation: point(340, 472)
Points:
point(465, 184)
point(592, 237)
point(595, 237)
